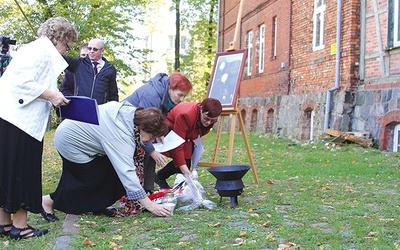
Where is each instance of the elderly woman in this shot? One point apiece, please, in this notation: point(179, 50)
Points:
point(101, 163)
point(163, 92)
point(28, 89)
point(189, 120)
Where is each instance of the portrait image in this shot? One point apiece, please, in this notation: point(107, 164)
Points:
point(226, 77)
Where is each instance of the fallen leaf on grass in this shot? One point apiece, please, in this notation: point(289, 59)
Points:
point(371, 234)
point(368, 218)
point(119, 237)
point(266, 224)
point(270, 182)
point(270, 236)
point(183, 243)
point(87, 242)
point(215, 225)
point(242, 233)
point(114, 246)
point(286, 246)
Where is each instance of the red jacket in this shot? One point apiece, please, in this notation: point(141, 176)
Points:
point(184, 119)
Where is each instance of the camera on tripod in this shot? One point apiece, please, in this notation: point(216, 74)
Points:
point(5, 44)
point(4, 57)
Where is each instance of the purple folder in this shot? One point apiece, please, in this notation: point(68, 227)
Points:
point(80, 108)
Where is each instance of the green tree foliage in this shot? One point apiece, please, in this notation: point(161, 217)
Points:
point(111, 20)
point(200, 17)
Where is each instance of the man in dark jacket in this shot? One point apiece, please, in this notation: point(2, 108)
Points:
point(68, 83)
point(95, 77)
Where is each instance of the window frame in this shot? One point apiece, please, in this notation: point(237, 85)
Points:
point(274, 36)
point(250, 36)
point(318, 18)
point(261, 51)
point(396, 19)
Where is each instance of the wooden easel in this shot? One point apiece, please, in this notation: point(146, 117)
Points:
point(232, 113)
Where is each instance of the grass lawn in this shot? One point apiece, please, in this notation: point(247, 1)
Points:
point(310, 196)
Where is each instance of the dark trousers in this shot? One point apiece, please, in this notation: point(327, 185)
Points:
point(149, 170)
point(170, 169)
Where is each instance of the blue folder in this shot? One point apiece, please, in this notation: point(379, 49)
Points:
point(80, 108)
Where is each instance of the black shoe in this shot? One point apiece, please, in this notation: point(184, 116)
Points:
point(15, 233)
point(50, 217)
point(160, 182)
point(110, 212)
point(3, 231)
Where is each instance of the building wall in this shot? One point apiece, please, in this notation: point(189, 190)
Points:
point(377, 102)
point(294, 85)
point(295, 96)
point(275, 78)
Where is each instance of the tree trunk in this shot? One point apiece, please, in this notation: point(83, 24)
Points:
point(177, 35)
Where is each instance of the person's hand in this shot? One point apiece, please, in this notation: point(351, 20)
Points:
point(58, 99)
point(155, 208)
point(160, 139)
point(55, 97)
point(160, 159)
point(185, 171)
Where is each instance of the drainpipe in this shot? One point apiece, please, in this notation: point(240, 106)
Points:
point(337, 71)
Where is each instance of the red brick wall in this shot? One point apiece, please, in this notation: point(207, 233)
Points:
point(274, 80)
point(311, 71)
point(314, 71)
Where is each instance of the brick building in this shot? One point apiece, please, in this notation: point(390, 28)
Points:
point(317, 64)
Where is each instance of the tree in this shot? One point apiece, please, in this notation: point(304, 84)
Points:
point(201, 19)
point(177, 65)
point(111, 20)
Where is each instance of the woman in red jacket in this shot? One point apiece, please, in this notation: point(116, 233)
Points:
point(188, 120)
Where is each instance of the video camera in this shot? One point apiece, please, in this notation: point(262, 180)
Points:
point(5, 46)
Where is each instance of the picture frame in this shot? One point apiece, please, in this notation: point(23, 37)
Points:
point(226, 77)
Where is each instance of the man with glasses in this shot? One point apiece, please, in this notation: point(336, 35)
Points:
point(95, 77)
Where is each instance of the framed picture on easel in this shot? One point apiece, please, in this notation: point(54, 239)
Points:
point(226, 77)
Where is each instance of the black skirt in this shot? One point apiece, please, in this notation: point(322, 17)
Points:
point(20, 170)
point(87, 187)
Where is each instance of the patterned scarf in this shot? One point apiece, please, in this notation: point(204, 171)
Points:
point(132, 207)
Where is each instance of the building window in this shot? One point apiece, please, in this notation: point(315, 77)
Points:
point(396, 28)
point(308, 125)
point(318, 29)
point(261, 51)
point(171, 40)
point(249, 51)
point(183, 42)
point(396, 139)
point(274, 36)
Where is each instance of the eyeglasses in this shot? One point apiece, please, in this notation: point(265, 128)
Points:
point(208, 119)
point(94, 49)
point(67, 47)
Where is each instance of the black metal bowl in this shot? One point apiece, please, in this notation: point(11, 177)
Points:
point(230, 172)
